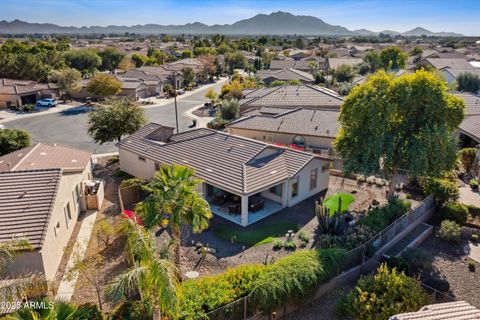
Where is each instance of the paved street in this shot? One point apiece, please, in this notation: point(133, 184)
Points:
point(69, 126)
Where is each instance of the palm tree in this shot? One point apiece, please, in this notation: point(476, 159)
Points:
point(151, 276)
point(58, 310)
point(174, 200)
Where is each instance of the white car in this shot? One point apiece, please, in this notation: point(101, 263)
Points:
point(46, 103)
point(2, 127)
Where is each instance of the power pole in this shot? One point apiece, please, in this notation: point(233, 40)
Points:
point(175, 99)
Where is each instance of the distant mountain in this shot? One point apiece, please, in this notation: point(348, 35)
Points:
point(276, 23)
point(419, 31)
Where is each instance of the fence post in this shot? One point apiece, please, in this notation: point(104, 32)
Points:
point(363, 258)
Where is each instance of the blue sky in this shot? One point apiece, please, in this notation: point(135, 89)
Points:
point(461, 16)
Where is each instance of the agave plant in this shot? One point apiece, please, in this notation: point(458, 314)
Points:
point(327, 220)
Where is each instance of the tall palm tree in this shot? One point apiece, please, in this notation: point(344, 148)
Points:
point(151, 276)
point(173, 198)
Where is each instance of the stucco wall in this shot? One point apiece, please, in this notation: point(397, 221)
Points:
point(304, 181)
point(131, 164)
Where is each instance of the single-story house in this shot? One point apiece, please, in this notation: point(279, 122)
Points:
point(268, 76)
point(442, 63)
point(291, 97)
point(154, 83)
point(42, 192)
point(302, 65)
point(20, 92)
point(460, 310)
point(451, 74)
point(244, 180)
point(166, 75)
point(312, 129)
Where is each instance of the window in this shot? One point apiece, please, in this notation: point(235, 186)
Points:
point(142, 158)
point(294, 187)
point(76, 195)
point(57, 229)
point(276, 190)
point(68, 214)
point(299, 141)
point(269, 139)
point(313, 179)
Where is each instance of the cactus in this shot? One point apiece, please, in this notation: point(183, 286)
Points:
point(328, 222)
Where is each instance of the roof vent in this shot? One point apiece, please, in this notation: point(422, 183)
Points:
point(43, 153)
point(74, 160)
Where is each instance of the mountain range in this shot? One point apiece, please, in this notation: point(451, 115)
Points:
point(276, 23)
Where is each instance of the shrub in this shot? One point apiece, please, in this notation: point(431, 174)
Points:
point(443, 190)
point(455, 211)
point(437, 283)
point(133, 310)
point(467, 158)
point(380, 218)
point(418, 259)
point(28, 107)
point(473, 210)
point(449, 230)
point(89, 311)
point(303, 236)
point(12, 140)
point(383, 295)
point(290, 245)
point(278, 244)
point(474, 237)
point(295, 276)
point(399, 263)
point(229, 110)
point(474, 184)
point(354, 237)
point(132, 182)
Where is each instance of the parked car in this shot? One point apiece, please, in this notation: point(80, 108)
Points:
point(2, 127)
point(46, 103)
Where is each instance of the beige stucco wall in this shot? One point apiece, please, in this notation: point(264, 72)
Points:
point(131, 164)
point(27, 262)
point(284, 138)
point(304, 181)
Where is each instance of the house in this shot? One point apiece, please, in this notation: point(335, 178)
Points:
point(298, 54)
point(268, 76)
point(451, 74)
point(311, 129)
point(291, 97)
point(442, 311)
point(442, 63)
point(167, 76)
point(42, 192)
point(154, 83)
point(132, 88)
point(333, 63)
point(20, 92)
point(244, 180)
point(302, 65)
point(470, 127)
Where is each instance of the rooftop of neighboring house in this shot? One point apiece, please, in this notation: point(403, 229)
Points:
point(455, 72)
point(11, 86)
point(334, 63)
point(290, 64)
point(455, 63)
point(310, 122)
point(286, 75)
point(472, 102)
point(307, 96)
point(27, 199)
point(442, 311)
point(471, 126)
point(45, 156)
point(138, 74)
point(236, 164)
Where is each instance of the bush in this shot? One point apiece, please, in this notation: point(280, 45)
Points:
point(443, 190)
point(417, 259)
point(295, 276)
point(303, 236)
point(229, 110)
point(474, 237)
point(474, 184)
point(467, 158)
point(473, 210)
point(383, 295)
point(278, 244)
point(133, 310)
point(454, 211)
point(13, 139)
point(89, 311)
point(400, 264)
point(439, 284)
point(132, 182)
point(28, 107)
point(380, 218)
point(449, 230)
point(290, 245)
point(354, 237)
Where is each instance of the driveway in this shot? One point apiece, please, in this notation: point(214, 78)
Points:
point(69, 126)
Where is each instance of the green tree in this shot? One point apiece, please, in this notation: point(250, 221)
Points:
point(416, 51)
point(235, 60)
point(111, 58)
point(87, 61)
point(188, 76)
point(104, 85)
point(468, 82)
point(229, 110)
point(139, 59)
point(187, 54)
point(211, 95)
point(344, 73)
point(152, 275)
point(372, 62)
point(67, 80)
point(117, 118)
point(393, 58)
point(174, 200)
point(404, 123)
point(384, 294)
point(13, 140)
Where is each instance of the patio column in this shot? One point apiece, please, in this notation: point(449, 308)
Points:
point(284, 193)
point(244, 211)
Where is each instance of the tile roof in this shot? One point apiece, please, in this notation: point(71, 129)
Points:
point(455, 63)
point(459, 310)
point(472, 102)
point(307, 96)
point(285, 75)
point(138, 74)
point(455, 72)
point(27, 199)
point(471, 126)
point(333, 63)
point(10, 86)
point(312, 122)
point(236, 164)
point(45, 156)
point(290, 64)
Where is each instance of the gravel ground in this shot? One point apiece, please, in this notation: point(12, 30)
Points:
point(451, 263)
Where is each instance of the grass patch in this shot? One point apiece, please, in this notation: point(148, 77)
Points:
point(263, 234)
point(331, 202)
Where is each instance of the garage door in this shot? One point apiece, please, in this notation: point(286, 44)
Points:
point(142, 94)
point(29, 99)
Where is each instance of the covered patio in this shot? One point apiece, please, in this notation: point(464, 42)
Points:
point(241, 209)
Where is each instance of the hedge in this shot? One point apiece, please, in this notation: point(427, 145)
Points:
point(270, 286)
point(380, 218)
point(454, 211)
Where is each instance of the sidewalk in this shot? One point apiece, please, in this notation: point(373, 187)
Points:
point(201, 121)
point(66, 288)
point(8, 115)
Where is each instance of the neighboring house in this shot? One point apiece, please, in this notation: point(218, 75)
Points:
point(333, 63)
point(154, 83)
point(197, 66)
point(470, 127)
point(291, 97)
point(42, 192)
point(268, 76)
point(243, 180)
point(167, 76)
point(451, 74)
point(302, 65)
point(312, 129)
point(132, 88)
point(20, 92)
point(460, 310)
point(298, 54)
point(443, 63)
